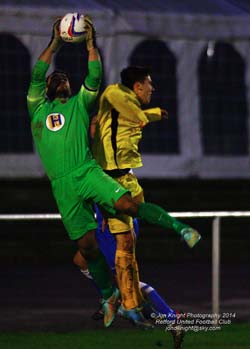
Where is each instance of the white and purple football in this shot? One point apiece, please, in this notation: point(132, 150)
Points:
point(72, 28)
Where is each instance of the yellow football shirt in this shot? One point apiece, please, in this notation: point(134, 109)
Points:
point(119, 128)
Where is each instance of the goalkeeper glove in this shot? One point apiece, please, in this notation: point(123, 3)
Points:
point(55, 41)
point(90, 33)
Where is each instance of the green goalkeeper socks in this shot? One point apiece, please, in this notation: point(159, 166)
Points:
point(154, 214)
point(101, 275)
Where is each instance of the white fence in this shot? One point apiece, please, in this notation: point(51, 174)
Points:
point(215, 215)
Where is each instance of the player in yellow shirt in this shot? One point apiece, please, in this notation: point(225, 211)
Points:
point(118, 132)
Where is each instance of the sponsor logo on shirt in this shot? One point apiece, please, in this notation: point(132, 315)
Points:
point(55, 121)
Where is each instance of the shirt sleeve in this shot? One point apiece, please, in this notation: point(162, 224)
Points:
point(36, 92)
point(153, 114)
point(89, 90)
point(126, 105)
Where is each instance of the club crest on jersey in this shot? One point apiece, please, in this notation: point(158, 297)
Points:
point(55, 121)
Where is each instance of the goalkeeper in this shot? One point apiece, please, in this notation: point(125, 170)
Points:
point(60, 123)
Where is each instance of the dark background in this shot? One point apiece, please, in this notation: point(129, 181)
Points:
point(42, 290)
point(47, 242)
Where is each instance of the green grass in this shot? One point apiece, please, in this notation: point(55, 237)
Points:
point(229, 337)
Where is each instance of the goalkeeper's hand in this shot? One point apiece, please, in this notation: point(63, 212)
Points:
point(56, 41)
point(164, 114)
point(90, 33)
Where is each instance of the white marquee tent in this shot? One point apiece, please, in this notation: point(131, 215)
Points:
point(186, 26)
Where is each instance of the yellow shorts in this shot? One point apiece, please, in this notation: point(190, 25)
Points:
point(122, 222)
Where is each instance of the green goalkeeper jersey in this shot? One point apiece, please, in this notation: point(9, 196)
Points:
point(60, 130)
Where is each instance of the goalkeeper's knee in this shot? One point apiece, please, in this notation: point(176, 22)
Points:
point(80, 261)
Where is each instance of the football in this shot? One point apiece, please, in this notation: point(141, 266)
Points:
point(72, 28)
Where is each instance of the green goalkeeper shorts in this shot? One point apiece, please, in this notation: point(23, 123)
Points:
point(76, 192)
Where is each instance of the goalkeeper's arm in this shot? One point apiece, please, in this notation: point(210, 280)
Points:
point(93, 79)
point(54, 44)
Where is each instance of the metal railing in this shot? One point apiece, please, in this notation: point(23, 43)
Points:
point(215, 215)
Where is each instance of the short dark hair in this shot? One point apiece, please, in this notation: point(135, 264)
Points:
point(55, 72)
point(133, 74)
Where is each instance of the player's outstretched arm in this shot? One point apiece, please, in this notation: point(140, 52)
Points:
point(36, 93)
point(156, 114)
point(91, 39)
point(55, 43)
point(90, 35)
point(93, 79)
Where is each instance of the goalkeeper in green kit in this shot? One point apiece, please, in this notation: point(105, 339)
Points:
point(60, 125)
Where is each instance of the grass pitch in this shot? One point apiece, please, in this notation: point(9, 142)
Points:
point(229, 337)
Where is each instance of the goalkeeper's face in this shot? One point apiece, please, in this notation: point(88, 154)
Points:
point(58, 86)
point(144, 90)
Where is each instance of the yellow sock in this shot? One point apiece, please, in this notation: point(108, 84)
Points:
point(125, 276)
point(137, 294)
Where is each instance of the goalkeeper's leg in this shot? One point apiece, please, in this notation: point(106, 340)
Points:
point(81, 263)
point(154, 214)
point(100, 272)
